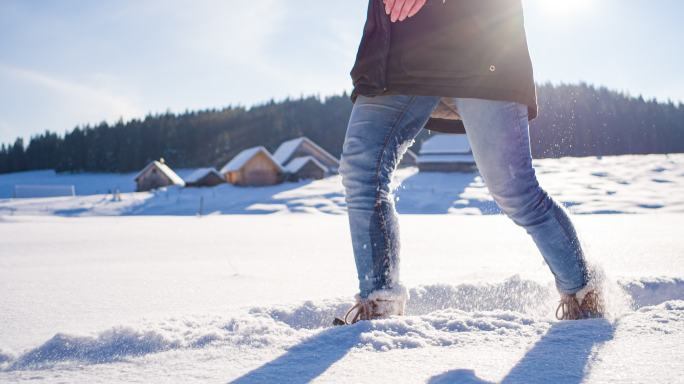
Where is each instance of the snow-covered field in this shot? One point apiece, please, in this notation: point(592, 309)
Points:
point(143, 290)
point(615, 184)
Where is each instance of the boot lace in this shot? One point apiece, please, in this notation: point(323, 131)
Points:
point(361, 311)
point(568, 308)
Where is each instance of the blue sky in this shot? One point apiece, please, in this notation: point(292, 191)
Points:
point(70, 62)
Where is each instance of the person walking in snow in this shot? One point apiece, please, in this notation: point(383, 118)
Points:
point(424, 64)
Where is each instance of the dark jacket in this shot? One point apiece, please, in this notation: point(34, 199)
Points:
point(451, 48)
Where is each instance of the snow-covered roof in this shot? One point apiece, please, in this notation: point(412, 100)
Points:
point(456, 158)
point(243, 157)
point(445, 144)
point(199, 173)
point(164, 169)
point(298, 162)
point(287, 148)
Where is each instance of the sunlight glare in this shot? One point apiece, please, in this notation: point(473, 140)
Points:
point(565, 7)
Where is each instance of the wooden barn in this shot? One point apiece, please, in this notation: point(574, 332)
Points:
point(409, 159)
point(155, 175)
point(446, 153)
point(303, 146)
point(305, 167)
point(253, 166)
point(204, 177)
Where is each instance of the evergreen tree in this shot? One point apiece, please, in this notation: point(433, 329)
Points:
point(574, 120)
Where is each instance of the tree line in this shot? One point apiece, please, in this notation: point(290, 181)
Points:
point(574, 120)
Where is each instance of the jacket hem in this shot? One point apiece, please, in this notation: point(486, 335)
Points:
point(464, 92)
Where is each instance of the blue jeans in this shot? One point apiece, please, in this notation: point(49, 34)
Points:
point(382, 128)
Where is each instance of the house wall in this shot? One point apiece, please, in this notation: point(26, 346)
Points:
point(259, 170)
point(152, 179)
point(232, 177)
point(309, 171)
point(209, 180)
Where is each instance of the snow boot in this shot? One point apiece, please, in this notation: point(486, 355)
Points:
point(586, 304)
point(379, 305)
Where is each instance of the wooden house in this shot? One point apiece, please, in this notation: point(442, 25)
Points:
point(204, 177)
point(303, 146)
point(253, 166)
point(155, 175)
point(409, 159)
point(446, 153)
point(305, 167)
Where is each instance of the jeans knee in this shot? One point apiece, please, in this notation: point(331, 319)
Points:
point(354, 170)
point(366, 184)
point(358, 181)
point(527, 208)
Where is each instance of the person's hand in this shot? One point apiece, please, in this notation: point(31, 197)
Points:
point(399, 10)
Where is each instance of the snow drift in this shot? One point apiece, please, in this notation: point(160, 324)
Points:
point(438, 315)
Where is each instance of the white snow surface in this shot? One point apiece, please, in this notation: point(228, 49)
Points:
point(586, 185)
point(250, 299)
point(94, 290)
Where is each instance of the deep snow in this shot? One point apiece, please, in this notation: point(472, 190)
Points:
point(250, 299)
point(142, 290)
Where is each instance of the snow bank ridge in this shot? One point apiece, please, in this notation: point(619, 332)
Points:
point(438, 315)
point(109, 345)
point(514, 294)
point(653, 291)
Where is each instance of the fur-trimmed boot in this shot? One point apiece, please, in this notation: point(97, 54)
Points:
point(588, 303)
point(380, 304)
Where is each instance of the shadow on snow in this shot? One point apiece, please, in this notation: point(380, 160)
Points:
point(304, 362)
point(560, 356)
